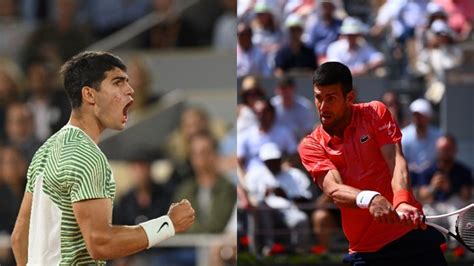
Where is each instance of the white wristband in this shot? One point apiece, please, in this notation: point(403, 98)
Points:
point(158, 229)
point(364, 198)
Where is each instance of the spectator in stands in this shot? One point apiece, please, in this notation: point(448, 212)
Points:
point(441, 54)
point(325, 31)
point(293, 111)
point(391, 100)
point(251, 60)
point(460, 15)
point(400, 19)
point(250, 141)
point(20, 129)
point(251, 91)
point(145, 199)
point(224, 37)
point(294, 56)
point(446, 185)
point(213, 195)
point(266, 32)
point(61, 37)
point(140, 80)
point(419, 138)
point(10, 90)
point(50, 105)
point(276, 192)
point(168, 33)
point(13, 180)
point(12, 185)
point(434, 12)
point(353, 50)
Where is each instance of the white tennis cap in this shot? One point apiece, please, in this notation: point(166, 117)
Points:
point(440, 26)
point(352, 25)
point(294, 20)
point(421, 106)
point(269, 151)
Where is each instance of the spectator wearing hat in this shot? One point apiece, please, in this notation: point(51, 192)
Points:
point(250, 92)
point(419, 138)
point(434, 12)
point(325, 30)
point(266, 33)
point(294, 111)
point(460, 15)
point(353, 50)
point(250, 59)
point(442, 53)
point(271, 186)
point(295, 56)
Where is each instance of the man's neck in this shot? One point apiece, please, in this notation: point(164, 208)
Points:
point(339, 130)
point(87, 123)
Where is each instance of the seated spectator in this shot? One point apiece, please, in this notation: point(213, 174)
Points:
point(419, 138)
point(266, 32)
point(434, 12)
point(294, 56)
point(145, 199)
point(294, 111)
point(52, 109)
point(460, 15)
point(10, 90)
point(251, 91)
point(446, 185)
point(391, 100)
point(324, 31)
point(251, 60)
point(353, 50)
point(250, 141)
point(140, 80)
point(271, 186)
point(62, 36)
point(212, 195)
point(20, 129)
point(441, 54)
point(12, 185)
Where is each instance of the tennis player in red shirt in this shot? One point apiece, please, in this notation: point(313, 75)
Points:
point(355, 157)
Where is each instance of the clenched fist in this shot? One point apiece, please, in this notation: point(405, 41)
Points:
point(182, 215)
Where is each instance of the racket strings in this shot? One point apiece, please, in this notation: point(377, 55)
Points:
point(465, 227)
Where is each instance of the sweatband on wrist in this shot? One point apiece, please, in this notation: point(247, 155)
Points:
point(364, 198)
point(403, 196)
point(158, 229)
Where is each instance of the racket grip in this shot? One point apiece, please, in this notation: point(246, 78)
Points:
point(423, 217)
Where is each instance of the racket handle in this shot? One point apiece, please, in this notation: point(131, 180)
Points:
point(423, 217)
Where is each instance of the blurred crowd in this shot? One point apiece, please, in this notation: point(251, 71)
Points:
point(39, 36)
point(280, 209)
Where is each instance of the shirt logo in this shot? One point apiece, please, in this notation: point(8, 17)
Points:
point(161, 227)
point(364, 138)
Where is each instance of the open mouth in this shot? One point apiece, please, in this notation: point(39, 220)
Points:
point(125, 111)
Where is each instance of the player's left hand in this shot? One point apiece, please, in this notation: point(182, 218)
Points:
point(411, 216)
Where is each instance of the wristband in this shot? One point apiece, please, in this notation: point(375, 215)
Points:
point(158, 229)
point(403, 196)
point(364, 198)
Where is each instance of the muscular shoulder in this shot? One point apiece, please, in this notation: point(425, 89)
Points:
point(312, 142)
point(373, 109)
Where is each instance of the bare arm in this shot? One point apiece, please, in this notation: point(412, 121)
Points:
point(397, 165)
point(106, 241)
point(332, 186)
point(21, 230)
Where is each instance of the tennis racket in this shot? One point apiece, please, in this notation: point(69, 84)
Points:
point(464, 226)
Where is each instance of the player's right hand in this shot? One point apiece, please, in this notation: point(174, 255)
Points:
point(382, 210)
point(182, 215)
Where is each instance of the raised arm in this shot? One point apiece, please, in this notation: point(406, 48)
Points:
point(105, 241)
point(20, 232)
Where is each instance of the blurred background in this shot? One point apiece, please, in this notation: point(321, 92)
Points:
point(413, 55)
point(181, 137)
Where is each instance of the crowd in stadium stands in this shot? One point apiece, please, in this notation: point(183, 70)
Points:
point(284, 41)
point(37, 38)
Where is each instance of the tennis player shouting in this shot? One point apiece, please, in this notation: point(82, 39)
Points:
point(355, 157)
